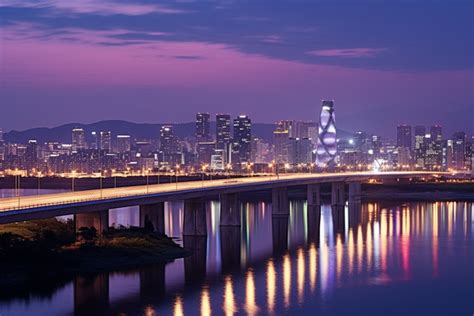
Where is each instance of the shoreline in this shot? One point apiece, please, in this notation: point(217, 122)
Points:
point(31, 253)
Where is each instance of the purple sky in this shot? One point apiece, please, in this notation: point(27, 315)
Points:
point(147, 61)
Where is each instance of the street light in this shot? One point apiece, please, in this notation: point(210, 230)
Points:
point(177, 171)
point(147, 182)
point(38, 175)
point(101, 193)
point(270, 166)
point(115, 177)
point(73, 177)
point(203, 167)
point(229, 168)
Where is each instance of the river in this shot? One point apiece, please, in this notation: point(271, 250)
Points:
point(383, 258)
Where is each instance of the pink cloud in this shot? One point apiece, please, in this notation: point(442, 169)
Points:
point(348, 52)
point(105, 7)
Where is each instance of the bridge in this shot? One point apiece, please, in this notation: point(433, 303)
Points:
point(90, 207)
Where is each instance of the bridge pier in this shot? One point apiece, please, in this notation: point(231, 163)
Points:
point(152, 281)
point(355, 192)
point(337, 194)
point(280, 204)
point(230, 248)
point(195, 265)
point(91, 295)
point(99, 220)
point(194, 218)
point(354, 214)
point(153, 216)
point(314, 220)
point(338, 219)
point(314, 194)
point(230, 210)
point(280, 234)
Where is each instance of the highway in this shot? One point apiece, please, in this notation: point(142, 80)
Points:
point(28, 202)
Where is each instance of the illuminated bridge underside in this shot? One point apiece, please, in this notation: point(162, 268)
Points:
point(50, 205)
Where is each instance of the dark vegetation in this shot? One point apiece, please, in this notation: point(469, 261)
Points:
point(47, 250)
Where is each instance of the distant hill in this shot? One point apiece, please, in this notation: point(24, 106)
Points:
point(136, 130)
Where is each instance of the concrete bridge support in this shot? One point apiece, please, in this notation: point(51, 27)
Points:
point(99, 220)
point(195, 265)
point(314, 220)
point(230, 248)
point(314, 194)
point(152, 281)
point(355, 192)
point(338, 194)
point(91, 295)
point(230, 210)
point(338, 218)
point(194, 218)
point(153, 216)
point(354, 214)
point(280, 234)
point(280, 204)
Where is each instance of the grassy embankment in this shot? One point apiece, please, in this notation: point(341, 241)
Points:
point(48, 248)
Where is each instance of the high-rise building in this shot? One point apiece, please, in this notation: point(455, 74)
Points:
point(169, 146)
point(436, 132)
point(95, 140)
point(420, 146)
point(223, 136)
point(241, 147)
point(1, 135)
point(327, 146)
point(105, 140)
point(280, 143)
point(260, 151)
point(205, 150)
point(124, 143)
point(459, 150)
point(203, 127)
point(300, 151)
point(78, 139)
point(31, 154)
point(404, 136)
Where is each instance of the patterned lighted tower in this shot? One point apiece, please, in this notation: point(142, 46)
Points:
point(327, 146)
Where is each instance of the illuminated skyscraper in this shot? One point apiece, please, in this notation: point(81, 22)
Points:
point(105, 141)
point(124, 143)
point(404, 136)
point(223, 137)
point(202, 127)
point(242, 139)
point(327, 147)
point(78, 139)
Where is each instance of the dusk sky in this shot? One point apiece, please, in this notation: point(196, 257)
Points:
point(383, 62)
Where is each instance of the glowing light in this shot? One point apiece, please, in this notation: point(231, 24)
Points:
point(286, 280)
point(178, 306)
point(313, 267)
point(300, 275)
point(250, 297)
point(205, 302)
point(229, 306)
point(271, 286)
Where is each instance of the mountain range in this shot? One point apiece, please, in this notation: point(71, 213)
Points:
point(135, 130)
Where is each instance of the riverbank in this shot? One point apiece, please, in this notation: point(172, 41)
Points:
point(46, 249)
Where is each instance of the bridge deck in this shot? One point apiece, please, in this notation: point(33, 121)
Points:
point(134, 195)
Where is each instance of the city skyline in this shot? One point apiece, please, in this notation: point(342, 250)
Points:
point(132, 61)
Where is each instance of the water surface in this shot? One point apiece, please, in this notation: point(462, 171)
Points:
point(389, 258)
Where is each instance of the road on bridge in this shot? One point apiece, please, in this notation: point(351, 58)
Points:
point(26, 202)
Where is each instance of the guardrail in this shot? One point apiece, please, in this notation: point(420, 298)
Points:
point(146, 191)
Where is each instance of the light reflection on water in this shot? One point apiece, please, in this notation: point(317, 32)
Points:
point(287, 266)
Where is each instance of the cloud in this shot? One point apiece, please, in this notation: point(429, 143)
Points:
point(348, 52)
point(94, 7)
